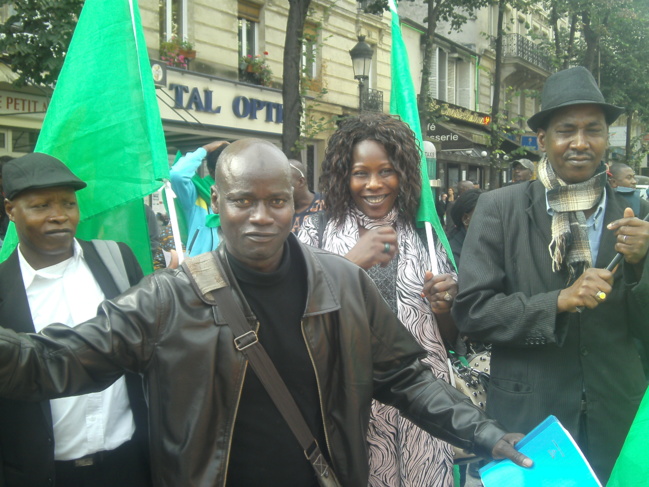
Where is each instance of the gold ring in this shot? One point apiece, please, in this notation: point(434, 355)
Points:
point(386, 248)
point(448, 297)
point(601, 295)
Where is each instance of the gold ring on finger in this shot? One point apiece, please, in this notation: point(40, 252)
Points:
point(601, 295)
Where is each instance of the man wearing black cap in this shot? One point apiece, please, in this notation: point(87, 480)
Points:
point(533, 282)
point(87, 440)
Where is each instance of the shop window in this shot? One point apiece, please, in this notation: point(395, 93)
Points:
point(249, 14)
point(24, 140)
point(173, 19)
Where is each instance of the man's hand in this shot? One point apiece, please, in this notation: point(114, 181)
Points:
point(212, 146)
point(588, 291)
point(505, 449)
point(632, 237)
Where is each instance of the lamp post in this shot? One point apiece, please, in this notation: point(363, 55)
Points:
point(361, 55)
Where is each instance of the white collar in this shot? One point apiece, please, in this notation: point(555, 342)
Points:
point(50, 272)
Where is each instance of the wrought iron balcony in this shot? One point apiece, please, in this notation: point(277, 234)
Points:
point(519, 46)
point(371, 100)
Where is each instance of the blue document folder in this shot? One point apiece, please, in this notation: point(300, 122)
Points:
point(558, 461)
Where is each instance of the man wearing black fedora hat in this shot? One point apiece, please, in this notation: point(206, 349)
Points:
point(96, 439)
point(533, 282)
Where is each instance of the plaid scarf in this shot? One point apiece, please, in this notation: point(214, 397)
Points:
point(569, 245)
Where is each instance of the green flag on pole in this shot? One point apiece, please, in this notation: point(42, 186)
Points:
point(632, 466)
point(403, 102)
point(103, 122)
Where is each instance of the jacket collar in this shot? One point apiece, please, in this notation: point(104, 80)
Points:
point(320, 295)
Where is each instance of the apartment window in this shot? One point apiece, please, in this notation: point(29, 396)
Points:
point(442, 74)
point(173, 19)
point(432, 79)
point(464, 83)
point(249, 14)
point(310, 51)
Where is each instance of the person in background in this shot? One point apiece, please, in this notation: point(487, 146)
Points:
point(166, 254)
point(306, 202)
point(4, 220)
point(440, 207)
point(622, 180)
point(372, 182)
point(533, 282)
point(194, 196)
point(522, 170)
point(621, 175)
point(462, 186)
point(96, 439)
point(461, 213)
point(321, 319)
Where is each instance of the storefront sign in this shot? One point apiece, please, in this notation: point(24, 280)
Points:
point(242, 106)
point(199, 99)
point(445, 138)
point(530, 141)
point(460, 113)
point(21, 103)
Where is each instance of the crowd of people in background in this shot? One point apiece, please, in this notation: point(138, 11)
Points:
point(354, 304)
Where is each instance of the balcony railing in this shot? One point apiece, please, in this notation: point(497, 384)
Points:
point(519, 46)
point(372, 100)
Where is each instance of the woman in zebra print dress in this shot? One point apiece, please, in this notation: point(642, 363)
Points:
point(372, 182)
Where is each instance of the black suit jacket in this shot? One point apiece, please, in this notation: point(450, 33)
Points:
point(542, 362)
point(26, 435)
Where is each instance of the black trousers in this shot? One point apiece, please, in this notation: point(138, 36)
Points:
point(125, 466)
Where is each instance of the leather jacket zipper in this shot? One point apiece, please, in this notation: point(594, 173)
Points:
point(317, 379)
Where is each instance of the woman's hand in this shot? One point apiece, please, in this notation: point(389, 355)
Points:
point(440, 290)
point(376, 246)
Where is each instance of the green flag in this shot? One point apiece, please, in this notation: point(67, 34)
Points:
point(103, 122)
point(403, 102)
point(632, 466)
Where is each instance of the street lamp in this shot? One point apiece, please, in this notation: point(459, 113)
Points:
point(361, 55)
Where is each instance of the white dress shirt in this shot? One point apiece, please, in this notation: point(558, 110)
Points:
point(68, 293)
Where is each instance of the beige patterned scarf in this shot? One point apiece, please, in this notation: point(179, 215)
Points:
point(569, 245)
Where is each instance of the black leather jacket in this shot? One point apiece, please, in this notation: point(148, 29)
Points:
point(164, 330)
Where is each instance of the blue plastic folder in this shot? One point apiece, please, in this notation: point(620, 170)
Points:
point(558, 461)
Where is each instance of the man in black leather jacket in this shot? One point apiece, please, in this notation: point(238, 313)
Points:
point(324, 324)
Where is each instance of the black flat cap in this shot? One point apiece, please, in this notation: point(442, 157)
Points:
point(574, 86)
point(36, 171)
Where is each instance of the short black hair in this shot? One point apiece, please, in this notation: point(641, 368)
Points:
point(213, 156)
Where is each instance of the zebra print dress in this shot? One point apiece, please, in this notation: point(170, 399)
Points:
point(400, 453)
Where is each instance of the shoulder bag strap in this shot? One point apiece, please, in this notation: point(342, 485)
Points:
point(111, 256)
point(247, 342)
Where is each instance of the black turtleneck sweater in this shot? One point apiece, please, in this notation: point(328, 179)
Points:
point(264, 450)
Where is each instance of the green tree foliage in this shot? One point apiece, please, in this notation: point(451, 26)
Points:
point(36, 38)
point(456, 13)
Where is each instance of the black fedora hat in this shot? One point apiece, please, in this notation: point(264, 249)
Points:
point(574, 86)
point(37, 171)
